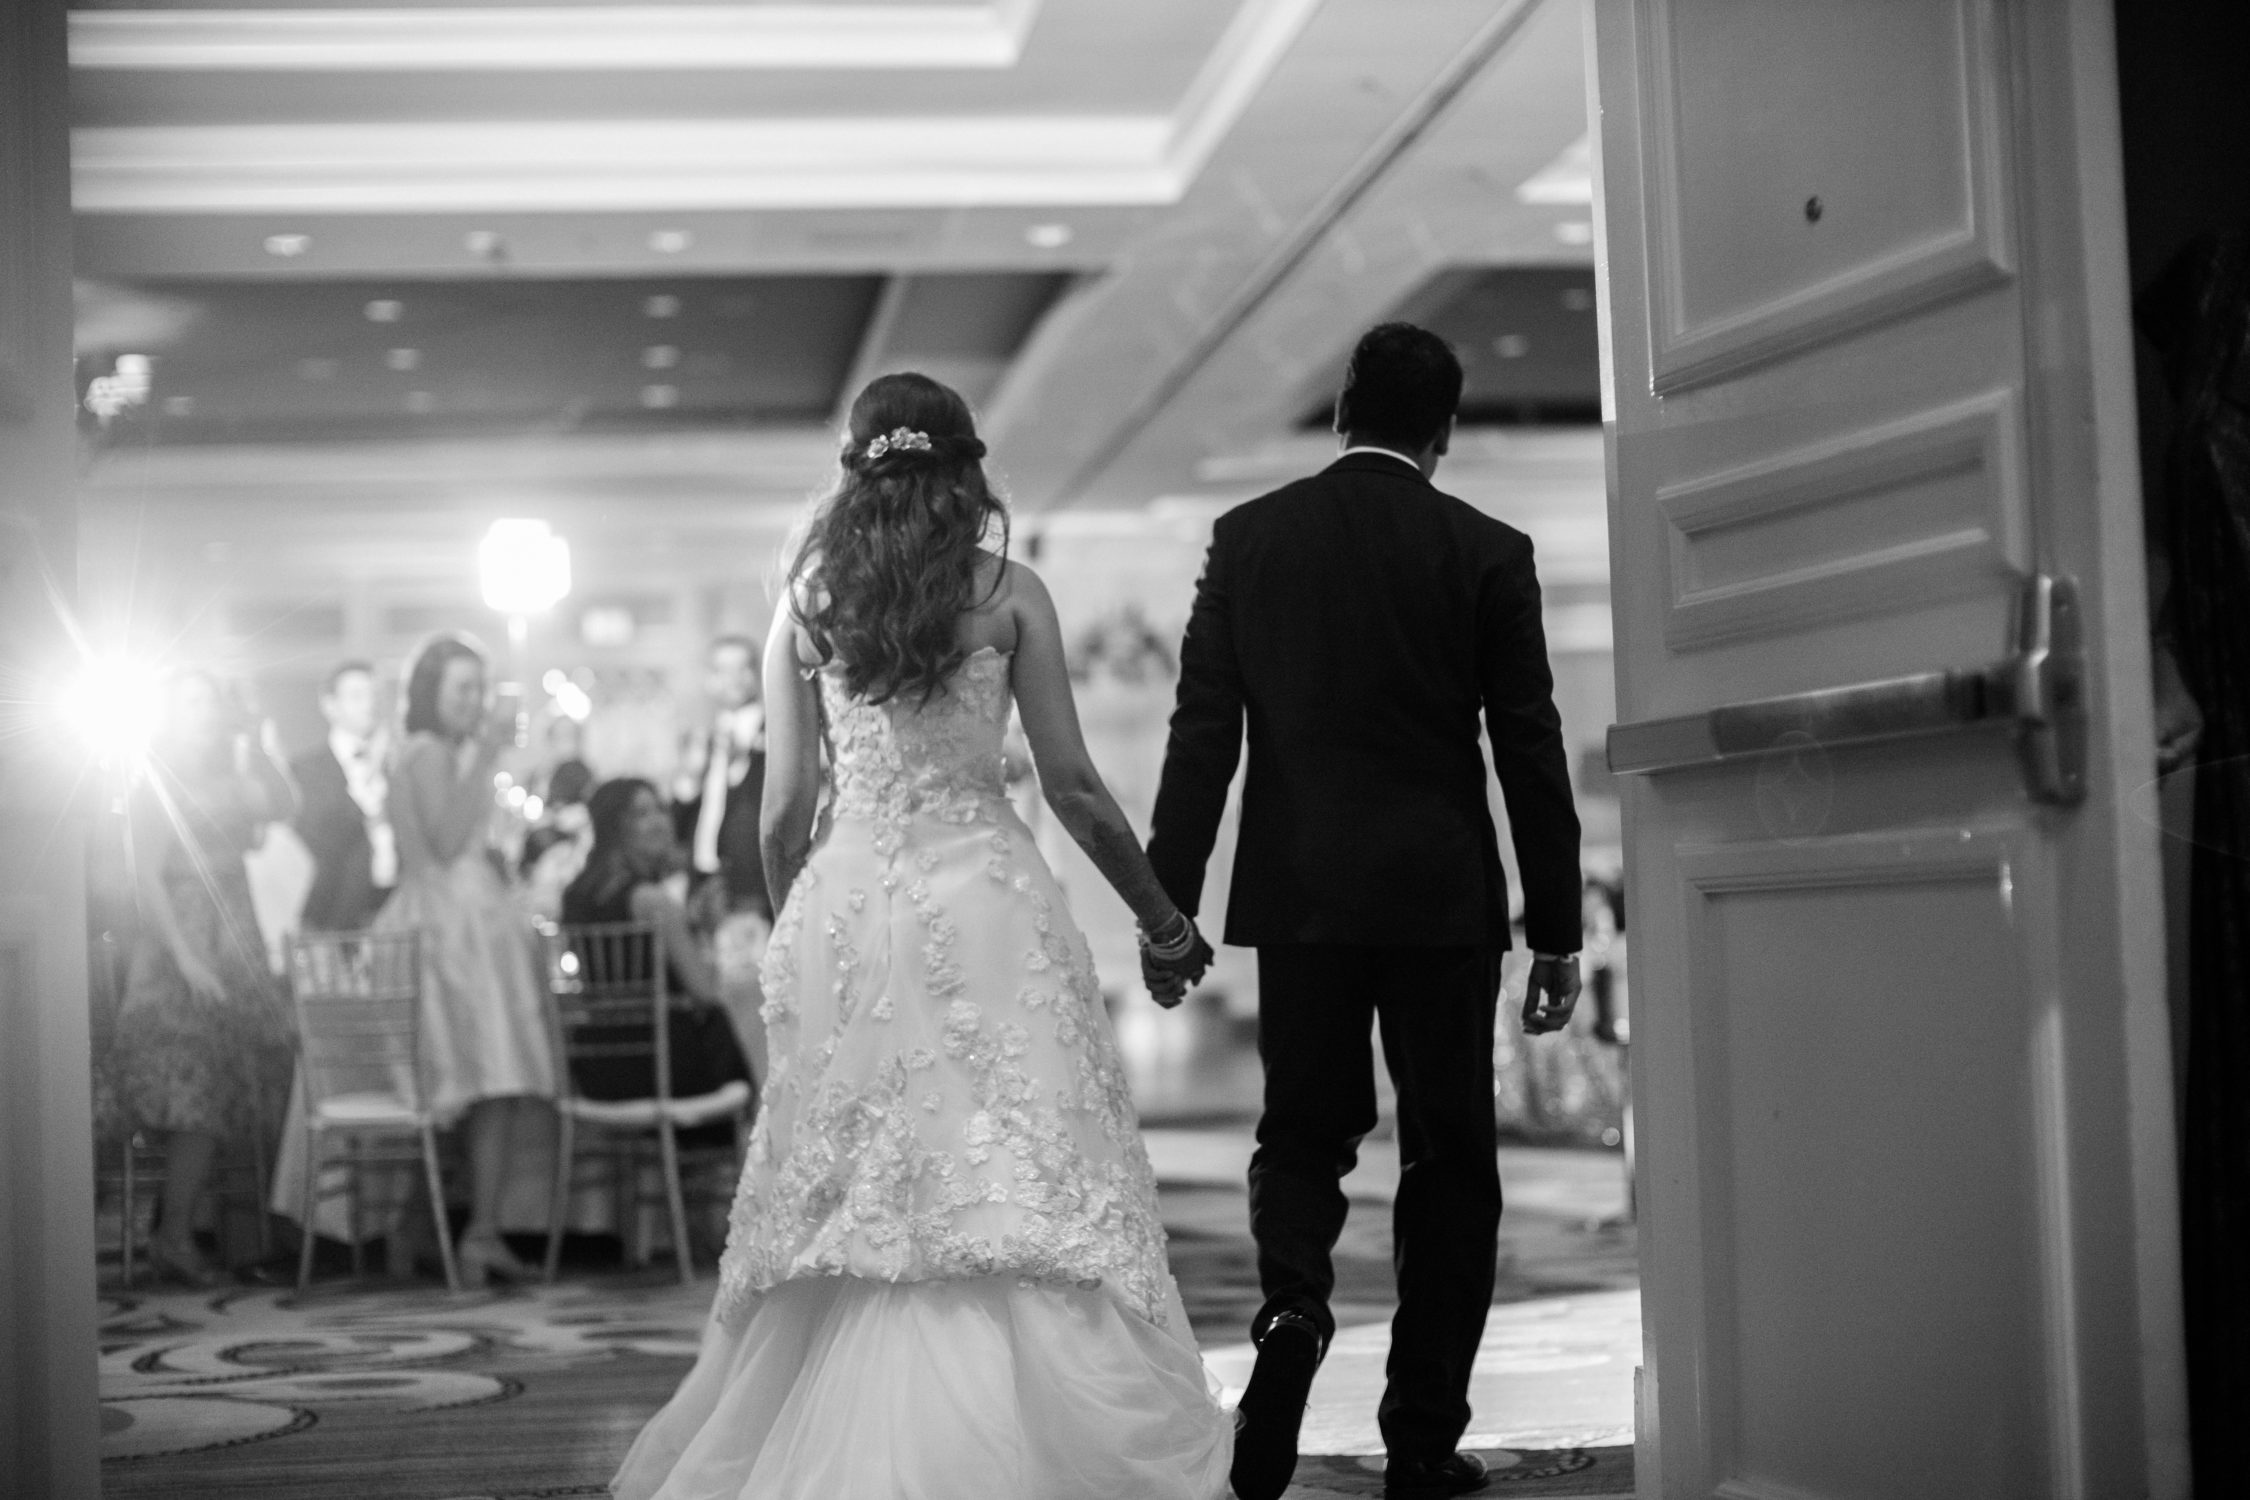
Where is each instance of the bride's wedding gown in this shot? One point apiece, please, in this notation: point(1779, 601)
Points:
point(946, 1276)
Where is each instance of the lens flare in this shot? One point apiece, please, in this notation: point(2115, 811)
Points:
point(112, 706)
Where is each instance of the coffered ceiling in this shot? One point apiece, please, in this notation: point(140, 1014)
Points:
point(1141, 236)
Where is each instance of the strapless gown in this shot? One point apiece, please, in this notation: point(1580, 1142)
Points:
point(945, 1277)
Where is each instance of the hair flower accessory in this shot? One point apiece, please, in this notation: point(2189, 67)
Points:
point(898, 439)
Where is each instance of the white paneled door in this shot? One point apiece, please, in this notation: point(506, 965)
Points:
point(1903, 1095)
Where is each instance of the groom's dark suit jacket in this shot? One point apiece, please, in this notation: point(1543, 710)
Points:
point(1360, 621)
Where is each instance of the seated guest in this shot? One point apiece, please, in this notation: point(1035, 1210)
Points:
point(623, 881)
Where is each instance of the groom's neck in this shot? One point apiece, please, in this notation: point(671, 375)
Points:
point(1424, 458)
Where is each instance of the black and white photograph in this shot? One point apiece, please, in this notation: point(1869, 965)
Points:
point(1072, 750)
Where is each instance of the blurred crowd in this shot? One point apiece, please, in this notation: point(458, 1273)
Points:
point(443, 818)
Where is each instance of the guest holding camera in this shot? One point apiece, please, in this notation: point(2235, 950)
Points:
point(485, 1046)
point(203, 1036)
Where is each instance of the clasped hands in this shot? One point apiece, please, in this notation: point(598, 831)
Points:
point(1174, 957)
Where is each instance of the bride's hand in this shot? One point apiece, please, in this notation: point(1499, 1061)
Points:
point(1170, 978)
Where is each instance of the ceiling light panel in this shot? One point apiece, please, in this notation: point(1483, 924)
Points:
point(574, 37)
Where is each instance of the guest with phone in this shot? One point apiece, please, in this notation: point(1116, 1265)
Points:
point(486, 1053)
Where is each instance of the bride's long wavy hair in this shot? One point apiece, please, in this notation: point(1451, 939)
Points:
point(889, 558)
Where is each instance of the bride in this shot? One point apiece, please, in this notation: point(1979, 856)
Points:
point(945, 1275)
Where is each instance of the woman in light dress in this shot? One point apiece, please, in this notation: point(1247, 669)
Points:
point(945, 1277)
point(486, 1049)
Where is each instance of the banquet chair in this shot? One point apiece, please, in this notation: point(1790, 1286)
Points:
point(358, 999)
point(610, 999)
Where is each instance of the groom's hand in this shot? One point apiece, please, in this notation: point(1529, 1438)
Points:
point(1550, 993)
point(1168, 981)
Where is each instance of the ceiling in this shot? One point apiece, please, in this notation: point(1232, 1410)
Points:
point(398, 264)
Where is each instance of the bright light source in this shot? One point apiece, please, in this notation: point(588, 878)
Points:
point(524, 566)
point(288, 246)
point(1048, 236)
point(1565, 181)
point(532, 808)
point(670, 241)
point(573, 701)
point(113, 706)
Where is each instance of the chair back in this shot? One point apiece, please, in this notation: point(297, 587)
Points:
point(358, 997)
point(611, 992)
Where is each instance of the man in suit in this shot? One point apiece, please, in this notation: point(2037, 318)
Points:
point(721, 784)
point(1358, 623)
point(342, 786)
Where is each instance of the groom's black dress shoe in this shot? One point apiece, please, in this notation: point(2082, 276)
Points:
point(1404, 1479)
point(1273, 1407)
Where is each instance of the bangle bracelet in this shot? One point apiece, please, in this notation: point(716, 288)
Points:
point(1180, 922)
point(1177, 947)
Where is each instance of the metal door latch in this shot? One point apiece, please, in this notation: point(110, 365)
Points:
point(2039, 688)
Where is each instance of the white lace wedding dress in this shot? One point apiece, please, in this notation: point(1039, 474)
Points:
point(946, 1278)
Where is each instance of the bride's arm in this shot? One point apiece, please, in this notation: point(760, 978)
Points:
point(792, 791)
point(1074, 789)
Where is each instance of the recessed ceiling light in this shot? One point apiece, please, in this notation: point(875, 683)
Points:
point(662, 305)
point(659, 357)
point(1568, 179)
point(670, 241)
point(1511, 346)
point(660, 397)
point(404, 359)
point(1575, 232)
point(288, 245)
point(1048, 236)
point(385, 310)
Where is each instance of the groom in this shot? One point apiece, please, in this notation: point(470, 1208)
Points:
point(1358, 622)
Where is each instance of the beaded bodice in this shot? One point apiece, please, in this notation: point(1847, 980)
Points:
point(905, 759)
point(945, 1098)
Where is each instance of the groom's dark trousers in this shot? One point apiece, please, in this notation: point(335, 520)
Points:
point(1357, 629)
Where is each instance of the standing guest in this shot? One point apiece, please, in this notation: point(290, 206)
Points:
point(624, 881)
point(342, 786)
point(1353, 626)
point(722, 783)
point(485, 1045)
point(203, 1037)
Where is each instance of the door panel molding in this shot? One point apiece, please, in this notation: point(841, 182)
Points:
point(1962, 550)
point(1973, 253)
point(2005, 860)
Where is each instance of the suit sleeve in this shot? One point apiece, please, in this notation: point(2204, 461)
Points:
point(1527, 750)
point(1206, 739)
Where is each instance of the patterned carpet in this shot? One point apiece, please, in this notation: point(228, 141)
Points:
point(385, 1389)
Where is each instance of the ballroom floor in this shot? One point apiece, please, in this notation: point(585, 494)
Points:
point(381, 1388)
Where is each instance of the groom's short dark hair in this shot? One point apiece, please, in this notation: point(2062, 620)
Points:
point(1402, 387)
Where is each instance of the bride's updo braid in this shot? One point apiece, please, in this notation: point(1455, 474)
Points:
point(889, 559)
